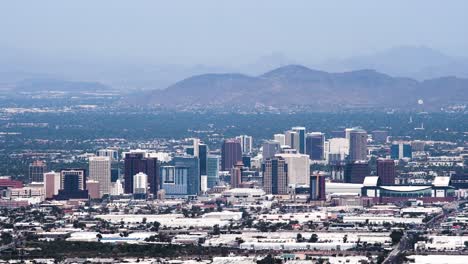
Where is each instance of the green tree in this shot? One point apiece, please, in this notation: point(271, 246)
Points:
point(269, 259)
point(6, 238)
point(396, 236)
point(313, 238)
point(216, 230)
point(299, 238)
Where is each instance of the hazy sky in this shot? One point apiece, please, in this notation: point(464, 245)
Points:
point(229, 31)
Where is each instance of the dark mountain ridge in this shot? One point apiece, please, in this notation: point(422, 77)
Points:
point(301, 86)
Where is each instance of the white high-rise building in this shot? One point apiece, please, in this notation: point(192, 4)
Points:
point(117, 188)
point(298, 168)
point(336, 149)
point(100, 171)
point(140, 183)
point(348, 132)
point(246, 143)
point(204, 183)
point(280, 138)
point(196, 145)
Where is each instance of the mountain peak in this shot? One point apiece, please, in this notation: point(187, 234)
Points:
point(292, 70)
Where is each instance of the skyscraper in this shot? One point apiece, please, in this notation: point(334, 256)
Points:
point(174, 180)
point(300, 145)
point(317, 188)
point(246, 143)
point(236, 175)
point(100, 171)
point(355, 172)
point(202, 155)
point(72, 185)
point(386, 171)
point(196, 143)
point(401, 150)
point(192, 165)
point(291, 138)
point(113, 154)
point(280, 138)
point(336, 149)
point(212, 170)
point(36, 171)
point(231, 153)
point(315, 143)
point(136, 162)
point(357, 144)
point(140, 185)
point(275, 176)
point(76, 179)
point(270, 149)
point(298, 166)
point(51, 184)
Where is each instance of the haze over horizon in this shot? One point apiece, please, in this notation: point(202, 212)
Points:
point(153, 44)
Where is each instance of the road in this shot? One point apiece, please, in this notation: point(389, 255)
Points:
point(449, 209)
point(399, 248)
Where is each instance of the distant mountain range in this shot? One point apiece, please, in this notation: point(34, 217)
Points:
point(417, 62)
point(405, 61)
point(296, 85)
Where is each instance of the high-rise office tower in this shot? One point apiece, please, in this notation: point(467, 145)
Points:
point(36, 171)
point(231, 153)
point(300, 145)
point(386, 171)
point(317, 188)
point(336, 150)
point(76, 177)
point(196, 143)
point(72, 185)
point(140, 185)
point(192, 164)
point(355, 172)
point(174, 180)
point(212, 170)
point(100, 171)
point(136, 162)
point(236, 175)
point(401, 150)
point(357, 144)
point(275, 176)
point(315, 143)
point(270, 149)
point(202, 155)
point(113, 154)
point(51, 184)
point(246, 143)
point(298, 168)
point(291, 138)
point(280, 138)
point(246, 160)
